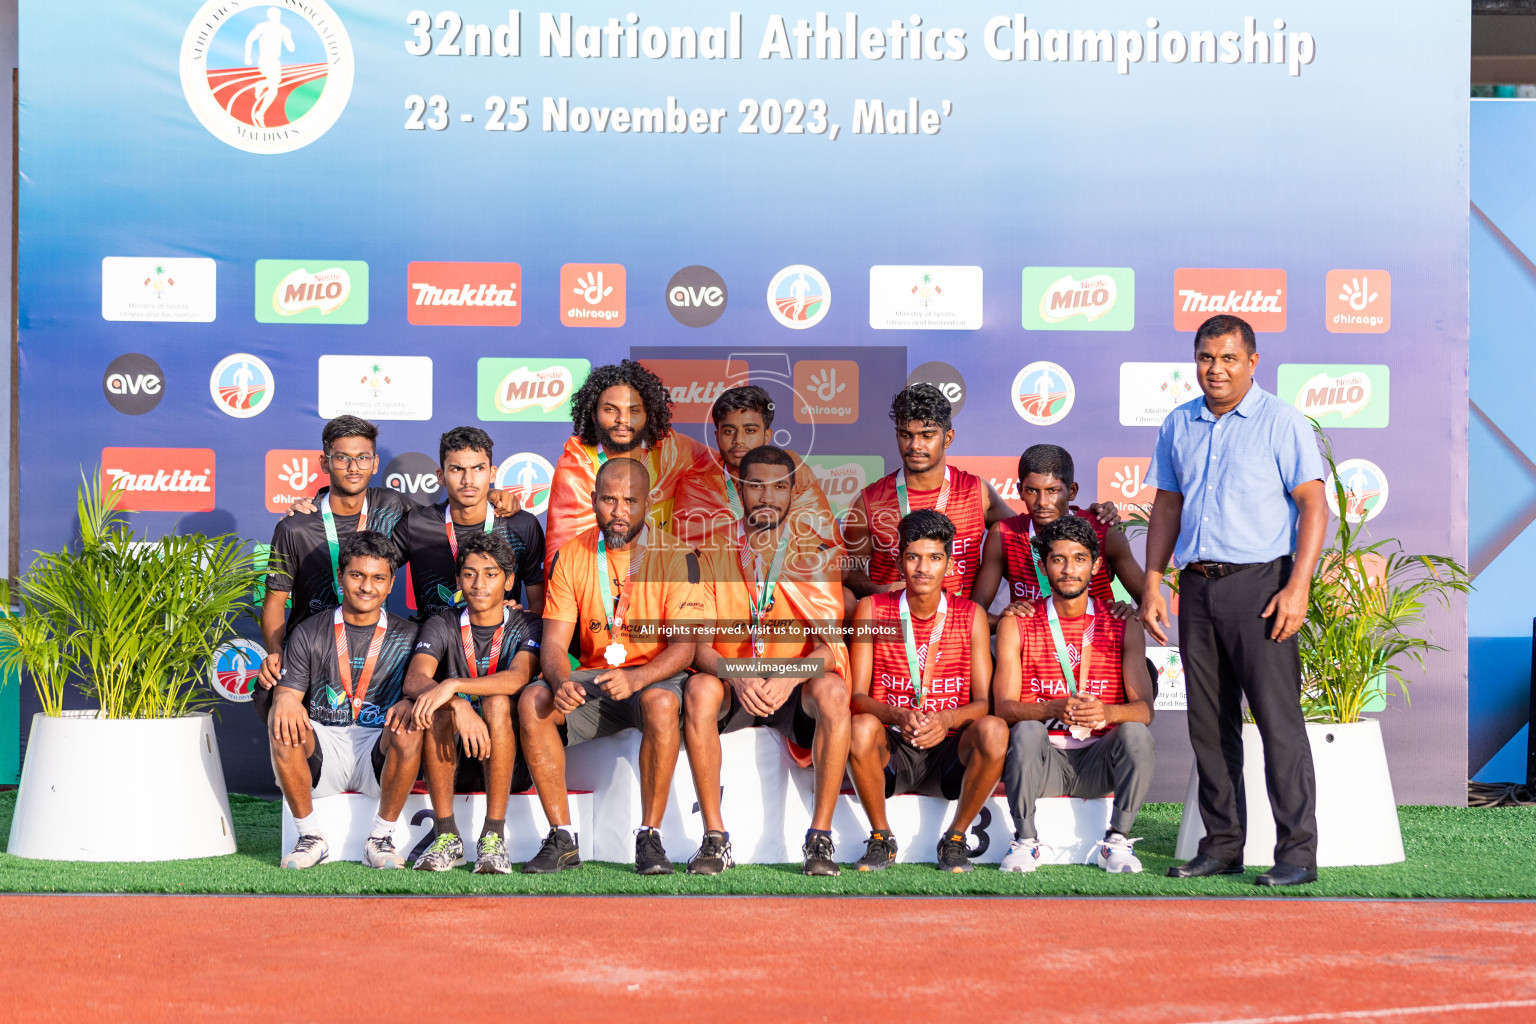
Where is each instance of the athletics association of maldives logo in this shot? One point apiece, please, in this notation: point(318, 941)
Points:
point(1043, 393)
point(241, 385)
point(232, 673)
point(266, 77)
point(1365, 490)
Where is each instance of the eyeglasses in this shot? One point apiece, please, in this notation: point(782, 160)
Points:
point(340, 461)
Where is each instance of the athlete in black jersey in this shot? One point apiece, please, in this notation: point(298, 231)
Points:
point(302, 573)
point(430, 535)
point(340, 721)
point(487, 653)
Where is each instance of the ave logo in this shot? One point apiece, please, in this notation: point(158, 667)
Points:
point(413, 475)
point(696, 296)
point(133, 384)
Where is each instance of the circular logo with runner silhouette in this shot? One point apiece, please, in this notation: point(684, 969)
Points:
point(266, 77)
point(1043, 393)
point(798, 296)
point(529, 477)
point(241, 385)
point(232, 674)
point(1365, 490)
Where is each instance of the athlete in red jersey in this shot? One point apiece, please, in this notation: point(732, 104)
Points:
point(922, 678)
point(1072, 684)
point(923, 434)
point(1047, 486)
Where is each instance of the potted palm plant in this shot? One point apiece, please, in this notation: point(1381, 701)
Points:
point(132, 624)
point(1364, 631)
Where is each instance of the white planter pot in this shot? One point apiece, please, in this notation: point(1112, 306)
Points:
point(98, 789)
point(1356, 811)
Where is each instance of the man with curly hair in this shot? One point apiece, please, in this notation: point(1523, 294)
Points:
point(624, 411)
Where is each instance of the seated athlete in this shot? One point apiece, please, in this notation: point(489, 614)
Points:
point(1072, 683)
point(776, 571)
point(613, 585)
point(624, 411)
point(1047, 486)
point(922, 673)
point(487, 653)
point(339, 722)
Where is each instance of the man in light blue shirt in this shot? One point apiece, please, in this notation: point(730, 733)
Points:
point(1239, 488)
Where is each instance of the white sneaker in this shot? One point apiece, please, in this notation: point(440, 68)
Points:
point(307, 852)
point(1023, 855)
point(1114, 854)
point(379, 852)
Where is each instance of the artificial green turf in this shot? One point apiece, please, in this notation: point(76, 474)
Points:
point(1452, 852)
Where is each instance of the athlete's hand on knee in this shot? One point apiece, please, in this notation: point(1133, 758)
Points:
point(428, 703)
point(1289, 607)
point(472, 730)
point(1023, 609)
point(398, 718)
point(290, 723)
point(617, 683)
point(931, 732)
point(271, 671)
point(505, 503)
point(749, 692)
point(570, 696)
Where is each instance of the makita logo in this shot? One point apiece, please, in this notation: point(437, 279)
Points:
point(161, 479)
point(526, 389)
point(696, 391)
point(1258, 296)
point(465, 294)
point(324, 290)
point(693, 384)
point(1068, 297)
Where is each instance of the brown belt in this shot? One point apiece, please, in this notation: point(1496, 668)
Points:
point(1216, 570)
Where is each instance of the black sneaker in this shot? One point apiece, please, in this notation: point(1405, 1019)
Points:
point(953, 855)
point(557, 853)
point(818, 852)
point(714, 855)
point(879, 852)
point(650, 857)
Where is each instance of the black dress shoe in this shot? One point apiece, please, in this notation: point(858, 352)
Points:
point(1287, 874)
point(1203, 866)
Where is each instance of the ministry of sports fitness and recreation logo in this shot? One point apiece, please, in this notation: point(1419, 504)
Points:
point(266, 77)
point(1365, 490)
point(241, 385)
point(529, 477)
point(413, 475)
point(798, 296)
point(234, 667)
point(133, 384)
point(1150, 391)
point(925, 298)
point(1043, 393)
point(696, 296)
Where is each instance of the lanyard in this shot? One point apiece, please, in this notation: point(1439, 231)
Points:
point(1061, 649)
point(612, 601)
point(328, 518)
point(760, 597)
point(921, 680)
point(1034, 558)
point(467, 640)
point(737, 509)
point(453, 542)
point(901, 492)
point(344, 661)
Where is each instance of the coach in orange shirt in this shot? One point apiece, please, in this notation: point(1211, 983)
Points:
point(776, 593)
point(615, 586)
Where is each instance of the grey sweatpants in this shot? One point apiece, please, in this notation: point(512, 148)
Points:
point(1120, 762)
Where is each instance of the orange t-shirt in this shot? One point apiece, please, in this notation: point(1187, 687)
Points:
point(665, 588)
point(809, 593)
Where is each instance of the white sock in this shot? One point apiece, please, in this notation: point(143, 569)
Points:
point(306, 825)
point(381, 828)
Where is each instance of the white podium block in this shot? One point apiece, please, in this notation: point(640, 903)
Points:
point(346, 819)
point(1068, 827)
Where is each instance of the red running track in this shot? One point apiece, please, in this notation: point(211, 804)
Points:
point(632, 959)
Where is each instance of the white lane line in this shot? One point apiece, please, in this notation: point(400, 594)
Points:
point(1394, 1011)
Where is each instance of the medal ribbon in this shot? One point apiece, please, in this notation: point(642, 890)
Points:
point(760, 596)
point(737, 509)
point(453, 542)
point(344, 661)
point(922, 679)
point(328, 518)
point(1034, 559)
point(1062, 655)
point(466, 638)
point(901, 492)
point(611, 601)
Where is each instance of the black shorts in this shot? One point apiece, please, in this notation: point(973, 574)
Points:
point(936, 771)
point(789, 720)
point(601, 715)
point(469, 776)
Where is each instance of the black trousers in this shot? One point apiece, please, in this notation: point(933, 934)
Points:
point(1227, 653)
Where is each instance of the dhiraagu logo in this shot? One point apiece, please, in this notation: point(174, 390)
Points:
point(311, 292)
point(1337, 396)
point(1079, 298)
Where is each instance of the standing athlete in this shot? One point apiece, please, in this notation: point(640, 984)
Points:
point(340, 721)
point(430, 536)
point(484, 654)
point(922, 674)
point(781, 587)
point(925, 480)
